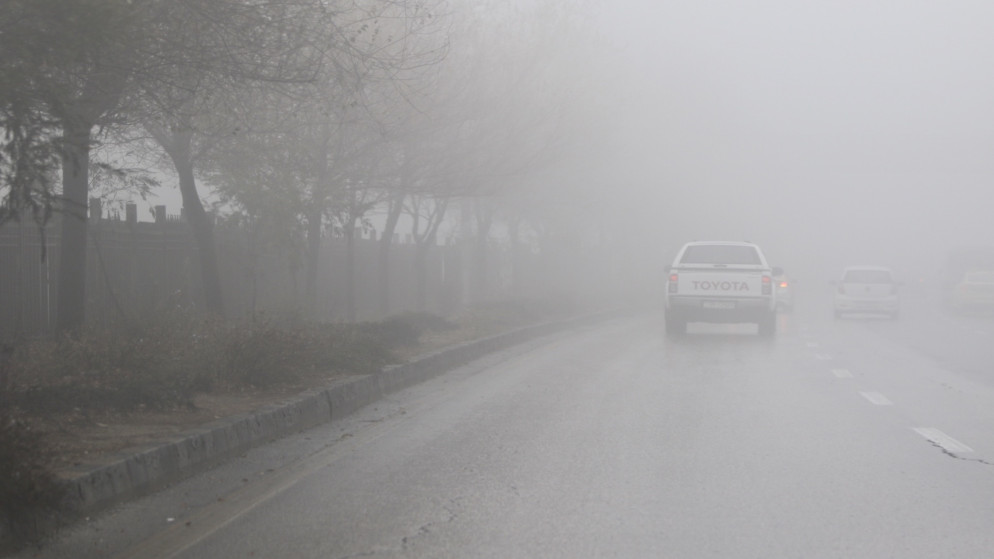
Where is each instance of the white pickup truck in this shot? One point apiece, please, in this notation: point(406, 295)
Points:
point(721, 281)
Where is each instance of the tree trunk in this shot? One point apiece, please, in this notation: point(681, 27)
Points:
point(425, 245)
point(179, 150)
point(484, 219)
point(514, 237)
point(421, 276)
point(72, 257)
point(314, 220)
point(350, 312)
point(383, 253)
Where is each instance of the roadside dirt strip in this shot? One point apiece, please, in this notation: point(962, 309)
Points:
point(139, 471)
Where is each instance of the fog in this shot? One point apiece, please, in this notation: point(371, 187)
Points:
point(831, 133)
point(609, 133)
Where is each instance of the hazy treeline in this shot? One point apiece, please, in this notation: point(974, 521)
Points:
point(143, 271)
point(302, 117)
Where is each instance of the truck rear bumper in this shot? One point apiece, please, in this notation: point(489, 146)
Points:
point(728, 310)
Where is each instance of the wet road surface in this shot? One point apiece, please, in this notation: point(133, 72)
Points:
point(858, 437)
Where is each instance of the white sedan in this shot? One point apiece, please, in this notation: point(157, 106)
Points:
point(867, 290)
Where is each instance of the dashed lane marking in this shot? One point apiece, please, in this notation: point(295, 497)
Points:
point(877, 398)
point(823, 356)
point(842, 373)
point(943, 440)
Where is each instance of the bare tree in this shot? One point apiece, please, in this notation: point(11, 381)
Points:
point(427, 215)
point(260, 50)
point(518, 112)
point(72, 65)
point(349, 120)
point(93, 64)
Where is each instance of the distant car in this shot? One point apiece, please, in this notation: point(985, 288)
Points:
point(785, 292)
point(975, 292)
point(867, 290)
point(961, 260)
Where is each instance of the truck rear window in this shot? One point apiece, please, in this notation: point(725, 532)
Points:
point(867, 276)
point(720, 254)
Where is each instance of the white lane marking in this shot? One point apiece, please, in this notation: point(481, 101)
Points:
point(812, 344)
point(942, 439)
point(842, 373)
point(822, 356)
point(877, 398)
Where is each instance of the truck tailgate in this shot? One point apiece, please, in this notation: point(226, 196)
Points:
point(724, 283)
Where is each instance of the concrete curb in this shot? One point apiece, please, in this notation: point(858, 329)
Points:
point(143, 470)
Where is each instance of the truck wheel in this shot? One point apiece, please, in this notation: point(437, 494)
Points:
point(675, 326)
point(768, 325)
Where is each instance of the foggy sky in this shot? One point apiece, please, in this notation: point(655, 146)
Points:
point(858, 131)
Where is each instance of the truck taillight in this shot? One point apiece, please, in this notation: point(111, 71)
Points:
point(672, 286)
point(767, 285)
point(783, 284)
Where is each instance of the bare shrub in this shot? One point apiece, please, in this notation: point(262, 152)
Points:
point(30, 495)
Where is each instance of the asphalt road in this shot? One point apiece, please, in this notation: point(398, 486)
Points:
point(840, 438)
